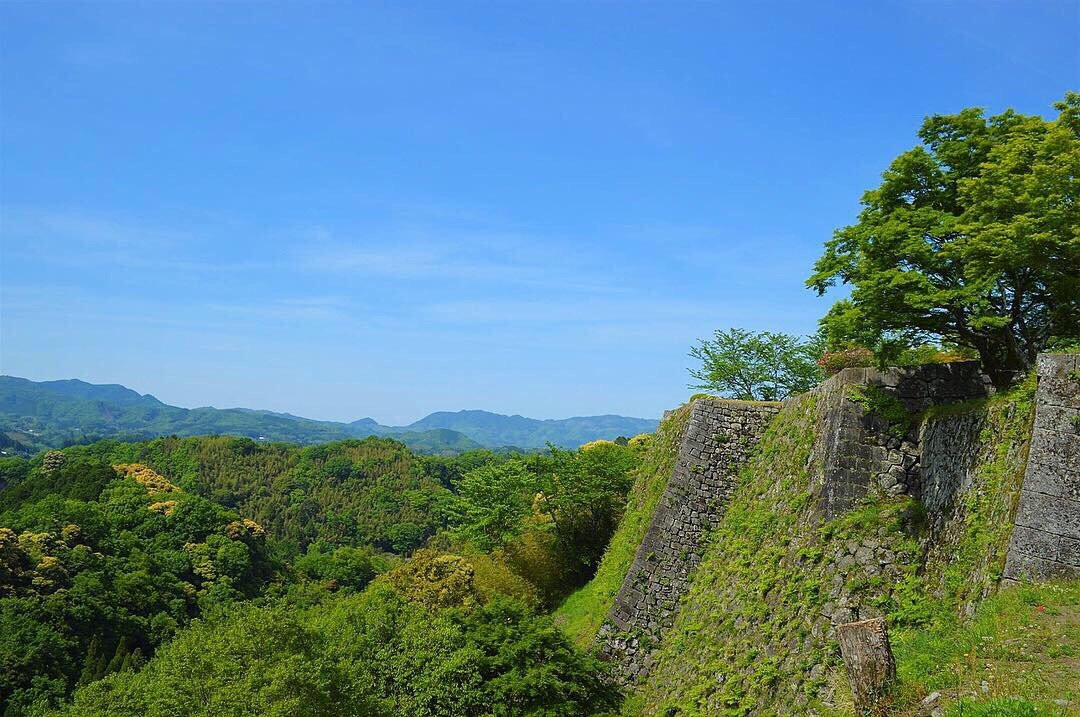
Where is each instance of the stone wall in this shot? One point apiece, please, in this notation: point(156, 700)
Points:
point(874, 436)
point(949, 453)
point(719, 438)
point(1046, 534)
point(859, 447)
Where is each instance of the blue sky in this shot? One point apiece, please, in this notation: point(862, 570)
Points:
point(346, 210)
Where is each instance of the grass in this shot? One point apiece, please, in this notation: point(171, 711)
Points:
point(1019, 655)
point(749, 637)
point(584, 611)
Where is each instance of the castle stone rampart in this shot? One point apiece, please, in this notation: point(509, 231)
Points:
point(719, 437)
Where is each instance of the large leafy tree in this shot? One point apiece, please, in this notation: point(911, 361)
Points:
point(973, 238)
point(756, 366)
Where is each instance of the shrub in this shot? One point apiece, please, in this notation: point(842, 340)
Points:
point(928, 353)
point(832, 362)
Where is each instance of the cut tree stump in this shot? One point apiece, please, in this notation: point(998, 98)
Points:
point(870, 664)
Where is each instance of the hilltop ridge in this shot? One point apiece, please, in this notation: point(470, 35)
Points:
point(49, 414)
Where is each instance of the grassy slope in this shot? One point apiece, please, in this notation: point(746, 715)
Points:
point(582, 613)
point(749, 638)
point(1020, 655)
point(743, 617)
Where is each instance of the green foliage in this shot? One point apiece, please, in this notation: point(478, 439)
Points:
point(97, 570)
point(1022, 642)
point(551, 516)
point(930, 353)
point(761, 366)
point(344, 567)
point(372, 492)
point(971, 238)
point(583, 494)
point(251, 662)
point(493, 503)
point(375, 653)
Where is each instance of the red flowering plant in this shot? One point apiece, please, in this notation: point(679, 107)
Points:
point(832, 362)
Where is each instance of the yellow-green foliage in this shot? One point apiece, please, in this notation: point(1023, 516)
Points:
point(245, 529)
point(153, 482)
point(535, 553)
point(593, 444)
point(439, 579)
point(163, 506)
point(436, 580)
point(492, 577)
point(584, 611)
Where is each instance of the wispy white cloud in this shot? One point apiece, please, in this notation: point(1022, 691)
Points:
point(564, 309)
point(19, 227)
point(493, 258)
point(76, 239)
point(312, 308)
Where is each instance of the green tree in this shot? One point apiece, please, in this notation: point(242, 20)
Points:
point(756, 366)
point(493, 500)
point(973, 238)
point(584, 493)
point(372, 654)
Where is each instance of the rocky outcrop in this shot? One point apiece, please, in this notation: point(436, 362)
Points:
point(719, 438)
point(1046, 534)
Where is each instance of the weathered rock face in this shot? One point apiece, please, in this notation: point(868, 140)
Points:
point(719, 438)
point(949, 449)
point(858, 447)
point(1046, 535)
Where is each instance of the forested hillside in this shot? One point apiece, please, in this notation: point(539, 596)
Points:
point(53, 414)
point(113, 549)
point(493, 429)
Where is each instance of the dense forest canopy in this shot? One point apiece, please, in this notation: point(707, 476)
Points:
point(109, 551)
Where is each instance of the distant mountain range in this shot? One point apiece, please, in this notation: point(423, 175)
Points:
point(48, 414)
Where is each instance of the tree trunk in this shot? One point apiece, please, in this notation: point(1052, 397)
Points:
point(870, 664)
point(1003, 361)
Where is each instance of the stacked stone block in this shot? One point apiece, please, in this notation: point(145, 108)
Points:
point(948, 454)
point(858, 449)
point(1045, 542)
point(719, 438)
